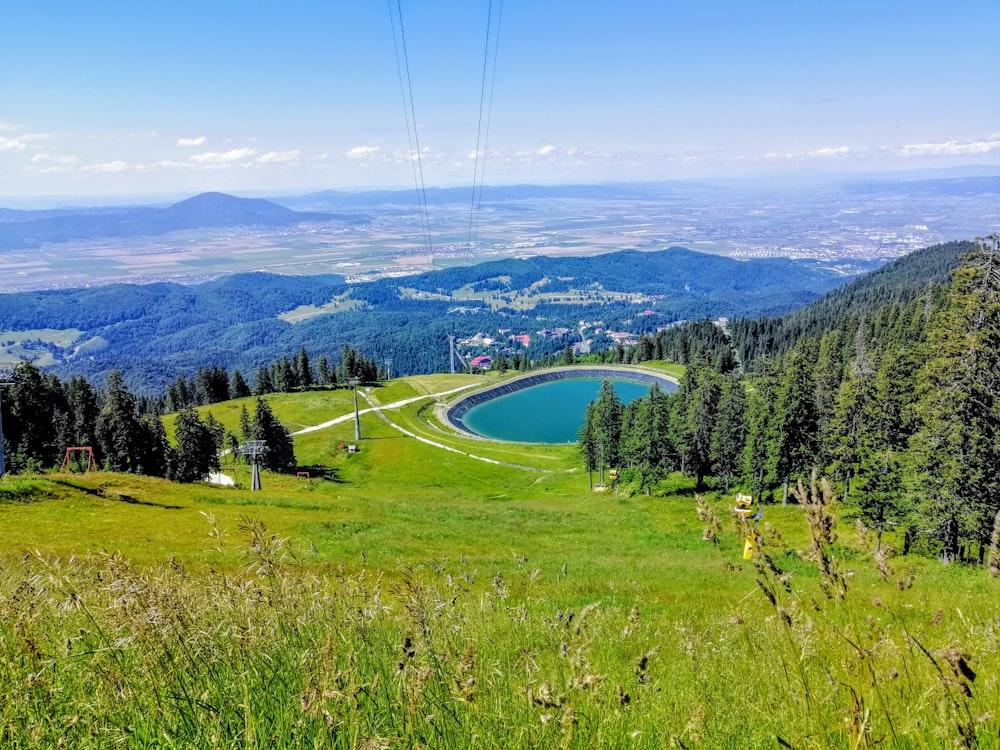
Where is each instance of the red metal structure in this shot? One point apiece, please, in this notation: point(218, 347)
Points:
point(91, 463)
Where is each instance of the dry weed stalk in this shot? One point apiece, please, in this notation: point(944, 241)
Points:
point(713, 526)
point(816, 503)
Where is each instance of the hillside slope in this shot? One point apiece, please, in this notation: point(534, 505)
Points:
point(896, 283)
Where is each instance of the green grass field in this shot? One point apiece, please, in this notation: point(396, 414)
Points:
point(411, 596)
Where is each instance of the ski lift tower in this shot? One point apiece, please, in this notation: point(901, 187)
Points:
point(455, 353)
point(254, 450)
point(357, 419)
point(6, 378)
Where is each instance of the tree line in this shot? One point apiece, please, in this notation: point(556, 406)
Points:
point(213, 384)
point(42, 417)
point(901, 407)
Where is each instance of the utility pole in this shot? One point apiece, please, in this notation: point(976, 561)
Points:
point(357, 419)
point(6, 378)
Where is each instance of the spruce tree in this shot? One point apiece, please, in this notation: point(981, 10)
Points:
point(280, 455)
point(955, 447)
point(118, 429)
point(238, 387)
point(588, 443)
point(196, 452)
point(730, 432)
point(794, 434)
point(608, 411)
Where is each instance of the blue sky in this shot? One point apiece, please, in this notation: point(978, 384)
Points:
point(108, 98)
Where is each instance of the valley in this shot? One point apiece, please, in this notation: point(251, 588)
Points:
point(365, 236)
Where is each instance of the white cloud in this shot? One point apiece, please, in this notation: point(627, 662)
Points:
point(546, 150)
point(11, 144)
point(199, 141)
point(225, 157)
point(111, 167)
point(53, 159)
point(838, 151)
point(363, 152)
point(8, 126)
point(951, 148)
point(280, 157)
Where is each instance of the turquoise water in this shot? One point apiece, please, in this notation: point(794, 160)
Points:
point(550, 412)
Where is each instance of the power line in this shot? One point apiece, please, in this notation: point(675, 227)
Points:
point(409, 112)
point(477, 173)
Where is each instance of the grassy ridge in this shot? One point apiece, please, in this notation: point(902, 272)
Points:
point(416, 596)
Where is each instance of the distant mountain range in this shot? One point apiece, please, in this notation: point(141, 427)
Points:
point(410, 198)
point(28, 229)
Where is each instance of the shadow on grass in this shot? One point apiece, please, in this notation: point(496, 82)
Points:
point(326, 473)
point(112, 495)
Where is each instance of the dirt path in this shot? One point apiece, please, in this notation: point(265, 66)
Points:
point(372, 407)
point(428, 441)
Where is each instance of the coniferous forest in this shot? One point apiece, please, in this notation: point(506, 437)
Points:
point(888, 387)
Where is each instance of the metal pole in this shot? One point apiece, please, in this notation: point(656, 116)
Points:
point(357, 417)
point(2, 467)
point(6, 378)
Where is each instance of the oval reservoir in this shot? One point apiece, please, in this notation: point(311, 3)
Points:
point(550, 412)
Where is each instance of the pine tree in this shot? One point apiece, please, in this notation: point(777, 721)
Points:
point(154, 455)
point(730, 432)
point(955, 447)
point(608, 411)
point(587, 442)
point(118, 429)
point(263, 383)
point(30, 411)
point(828, 376)
point(82, 401)
point(794, 435)
point(238, 387)
point(694, 410)
point(304, 369)
point(323, 368)
point(846, 429)
point(280, 455)
point(196, 452)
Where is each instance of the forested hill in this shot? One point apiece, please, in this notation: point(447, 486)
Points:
point(882, 292)
point(674, 271)
point(26, 229)
point(238, 298)
point(155, 333)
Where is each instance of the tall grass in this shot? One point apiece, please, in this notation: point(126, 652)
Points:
point(281, 652)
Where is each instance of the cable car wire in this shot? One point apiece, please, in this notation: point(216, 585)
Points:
point(409, 113)
point(477, 173)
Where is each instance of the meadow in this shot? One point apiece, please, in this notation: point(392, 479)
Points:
point(410, 596)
